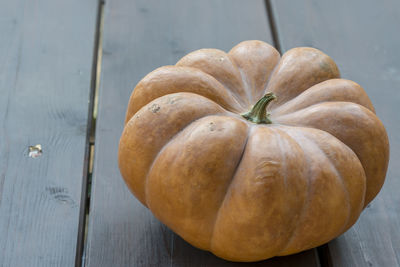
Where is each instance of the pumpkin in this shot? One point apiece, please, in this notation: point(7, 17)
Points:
point(251, 155)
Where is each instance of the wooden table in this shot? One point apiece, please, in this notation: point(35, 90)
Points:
point(49, 72)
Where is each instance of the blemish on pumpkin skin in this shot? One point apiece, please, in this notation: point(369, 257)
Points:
point(325, 66)
point(211, 126)
point(154, 108)
point(171, 100)
point(266, 171)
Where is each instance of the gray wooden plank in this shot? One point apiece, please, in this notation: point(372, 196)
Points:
point(363, 38)
point(46, 50)
point(140, 36)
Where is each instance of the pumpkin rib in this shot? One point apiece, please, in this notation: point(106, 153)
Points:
point(249, 129)
point(206, 59)
point(246, 85)
point(175, 79)
point(332, 90)
point(166, 145)
point(339, 178)
point(256, 60)
point(339, 174)
point(235, 98)
point(254, 183)
point(344, 189)
point(279, 130)
point(299, 69)
point(216, 179)
point(307, 201)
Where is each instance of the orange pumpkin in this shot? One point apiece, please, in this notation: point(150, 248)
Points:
point(250, 155)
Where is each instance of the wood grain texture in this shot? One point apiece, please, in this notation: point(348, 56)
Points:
point(45, 77)
point(362, 37)
point(140, 36)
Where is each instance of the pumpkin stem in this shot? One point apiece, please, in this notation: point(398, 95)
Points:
point(258, 114)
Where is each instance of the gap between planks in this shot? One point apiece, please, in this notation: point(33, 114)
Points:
point(90, 137)
point(272, 24)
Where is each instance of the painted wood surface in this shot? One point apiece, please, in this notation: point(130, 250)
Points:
point(46, 54)
point(140, 36)
point(363, 38)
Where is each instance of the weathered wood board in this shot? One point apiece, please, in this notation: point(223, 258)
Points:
point(46, 58)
